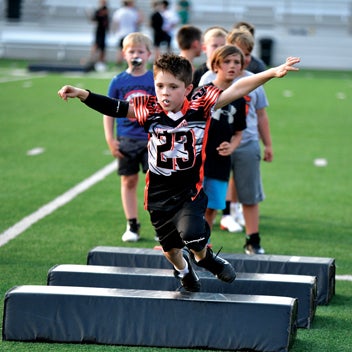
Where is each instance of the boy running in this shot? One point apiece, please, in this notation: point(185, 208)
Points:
point(174, 195)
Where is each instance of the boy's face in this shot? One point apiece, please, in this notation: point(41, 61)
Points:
point(170, 91)
point(229, 68)
point(247, 54)
point(212, 44)
point(136, 51)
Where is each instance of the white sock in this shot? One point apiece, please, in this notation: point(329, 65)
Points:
point(184, 271)
point(235, 208)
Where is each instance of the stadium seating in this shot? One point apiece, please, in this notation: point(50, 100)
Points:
point(62, 31)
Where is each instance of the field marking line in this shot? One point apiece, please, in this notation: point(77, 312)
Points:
point(343, 277)
point(58, 202)
point(17, 79)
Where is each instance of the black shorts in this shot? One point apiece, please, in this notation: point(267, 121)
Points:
point(183, 227)
point(135, 156)
point(161, 37)
point(100, 41)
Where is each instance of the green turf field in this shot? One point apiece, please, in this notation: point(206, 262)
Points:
point(308, 210)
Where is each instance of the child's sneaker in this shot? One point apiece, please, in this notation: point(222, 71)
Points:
point(228, 223)
point(236, 211)
point(221, 268)
point(190, 282)
point(252, 245)
point(131, 235)
point(251, 249)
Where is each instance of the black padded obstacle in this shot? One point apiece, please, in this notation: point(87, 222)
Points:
point(149, 318)
point(322, 268)
point(59, 67)
point(299, 286)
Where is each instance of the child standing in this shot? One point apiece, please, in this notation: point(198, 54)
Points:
point(224, 131)
point(213, 38)
point(174, 195)
point(101, 18)
point(246, 158)
point(125, 20)
point(247, 186)
point(130, 144)
point(189, 40)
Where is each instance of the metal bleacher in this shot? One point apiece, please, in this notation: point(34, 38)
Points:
point(61, 29)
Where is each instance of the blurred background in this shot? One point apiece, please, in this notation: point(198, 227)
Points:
point(319, 31)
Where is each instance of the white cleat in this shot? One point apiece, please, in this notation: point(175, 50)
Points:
point(228, 223)
point(130, 236)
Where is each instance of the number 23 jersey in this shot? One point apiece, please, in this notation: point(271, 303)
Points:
point(175, 148)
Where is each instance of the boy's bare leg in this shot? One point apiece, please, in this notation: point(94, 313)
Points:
point(183, 269)
point(251, 216)
point(175, 257)
point(129, 185)
point(210, 215)
point(200, 255)
point(129, 195)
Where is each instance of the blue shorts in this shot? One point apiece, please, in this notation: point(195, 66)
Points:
point(245, 162)
point(216, 192)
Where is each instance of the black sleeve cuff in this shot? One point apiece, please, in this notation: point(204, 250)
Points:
point(107, 106)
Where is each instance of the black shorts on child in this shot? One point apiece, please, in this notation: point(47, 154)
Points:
point(135, 156)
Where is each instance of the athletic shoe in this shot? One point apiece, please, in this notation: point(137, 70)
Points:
point(237, 213)
point(221, 268)
point(100, 67)
point(228, 223)
point(251, 249)
point(190, 282)
point(239, 218)
point(131, 236)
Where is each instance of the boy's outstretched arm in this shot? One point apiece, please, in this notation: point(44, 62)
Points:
point(245, 85)
point(100, 103)
point(72, 92)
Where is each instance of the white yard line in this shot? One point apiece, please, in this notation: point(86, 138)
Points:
point(17, 79)
point(15, 75)
point(343, 277)
point(58, 202)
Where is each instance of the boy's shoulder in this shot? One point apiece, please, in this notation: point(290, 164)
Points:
point(121, 74)
point(125, 75)
point(206, 92)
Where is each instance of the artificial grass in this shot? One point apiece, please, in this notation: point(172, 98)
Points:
point(306, 212)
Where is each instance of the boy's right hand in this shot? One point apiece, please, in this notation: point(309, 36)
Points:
point(72, 92)
point(114, 146)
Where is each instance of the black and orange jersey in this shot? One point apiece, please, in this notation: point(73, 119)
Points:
point(175, 147)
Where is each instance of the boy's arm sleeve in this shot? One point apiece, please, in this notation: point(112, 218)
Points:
point(107, 106)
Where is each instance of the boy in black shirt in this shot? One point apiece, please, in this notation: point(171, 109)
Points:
point(174, 195)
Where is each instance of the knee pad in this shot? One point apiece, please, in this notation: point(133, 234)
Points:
point(197, 241)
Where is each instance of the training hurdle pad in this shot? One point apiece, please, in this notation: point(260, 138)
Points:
point(298, 286)
point(149, 318)
point(59, 67)
point(322, 268)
